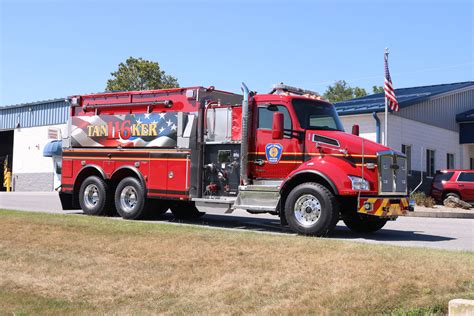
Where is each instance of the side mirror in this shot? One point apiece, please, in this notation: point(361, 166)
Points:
point(355, 129)
point(277, 126)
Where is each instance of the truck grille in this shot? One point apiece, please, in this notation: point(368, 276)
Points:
point(392, 173)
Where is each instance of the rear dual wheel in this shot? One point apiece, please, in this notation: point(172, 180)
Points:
point(94, 197)
point(131, 201)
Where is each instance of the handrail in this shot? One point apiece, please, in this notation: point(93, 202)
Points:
point(166, 103)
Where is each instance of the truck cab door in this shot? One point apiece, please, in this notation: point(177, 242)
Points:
point(273, 158)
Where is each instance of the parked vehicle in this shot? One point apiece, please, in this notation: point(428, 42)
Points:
point(191, 149)
point(453, 182)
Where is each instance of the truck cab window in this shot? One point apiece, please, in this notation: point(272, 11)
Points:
point(265, 116)
point(317, 115)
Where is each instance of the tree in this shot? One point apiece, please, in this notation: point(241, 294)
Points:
point(377, 89)
point(359, 92)
point(140, 74)
point(341, 91)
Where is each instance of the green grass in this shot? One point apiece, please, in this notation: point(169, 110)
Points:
point(74, 264)
point(21, 302)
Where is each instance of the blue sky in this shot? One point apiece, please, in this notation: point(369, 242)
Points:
point(52, 49)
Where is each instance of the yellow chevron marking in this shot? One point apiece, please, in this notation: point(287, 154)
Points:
point(370, 200)
point(380, 211)
point(395, 209)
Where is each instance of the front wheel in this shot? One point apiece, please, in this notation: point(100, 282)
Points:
point(311, 209)
point(363, 223)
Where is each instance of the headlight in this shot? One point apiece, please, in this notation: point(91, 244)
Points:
point(359, 184)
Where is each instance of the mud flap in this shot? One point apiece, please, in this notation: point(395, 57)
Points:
point(66, 201)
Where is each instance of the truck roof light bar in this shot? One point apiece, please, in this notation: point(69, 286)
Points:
point(283, 89)
point(166, 103)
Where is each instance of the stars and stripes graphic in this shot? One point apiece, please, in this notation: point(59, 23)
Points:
point(391, 100)
point(130, 130)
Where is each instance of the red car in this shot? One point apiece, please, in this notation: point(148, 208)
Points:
point(453, 182)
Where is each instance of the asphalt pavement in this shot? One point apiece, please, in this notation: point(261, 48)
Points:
point(441, 233)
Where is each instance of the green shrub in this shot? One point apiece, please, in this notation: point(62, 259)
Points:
point(421, 199)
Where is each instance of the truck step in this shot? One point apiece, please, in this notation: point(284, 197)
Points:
point(258, 198)
point(211, 204)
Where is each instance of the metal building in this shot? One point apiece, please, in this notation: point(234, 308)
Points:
point(41, 113)
point(24, 131)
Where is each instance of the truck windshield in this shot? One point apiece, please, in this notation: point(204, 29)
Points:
point(317, 115)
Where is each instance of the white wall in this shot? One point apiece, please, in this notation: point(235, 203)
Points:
point(28, 145)
point(417, 134)
point(366, 122)
point(468, 150)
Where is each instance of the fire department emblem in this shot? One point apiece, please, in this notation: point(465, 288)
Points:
point(273, 152)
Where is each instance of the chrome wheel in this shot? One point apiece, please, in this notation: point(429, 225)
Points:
point(307, 210)
point(128, 199)
point(91, 196)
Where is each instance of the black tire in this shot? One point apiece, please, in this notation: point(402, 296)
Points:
point(130, 199)
point(185, 210)
point(94, 197)
point(363, 223)
point(310, 221)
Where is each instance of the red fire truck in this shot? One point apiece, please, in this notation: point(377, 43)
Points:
point(192, 149)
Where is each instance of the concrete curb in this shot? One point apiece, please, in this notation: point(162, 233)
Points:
point(439, 214)
point(458, 307)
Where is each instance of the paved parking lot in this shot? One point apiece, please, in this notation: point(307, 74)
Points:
point(442, 233)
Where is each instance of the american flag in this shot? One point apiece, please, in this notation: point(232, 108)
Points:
point(388, 88)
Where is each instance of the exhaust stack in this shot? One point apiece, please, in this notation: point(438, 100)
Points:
point(244, 147)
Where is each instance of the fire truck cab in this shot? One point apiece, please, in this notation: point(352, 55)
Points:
point(192, 149)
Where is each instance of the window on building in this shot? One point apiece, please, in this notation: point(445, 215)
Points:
point(406, 149)
point(472, 164)
point(466, 177)
point(265, 116)
point(430, 163)
point(450, 161)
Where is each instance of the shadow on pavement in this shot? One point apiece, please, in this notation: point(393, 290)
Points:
point(387, 234)
point(231, 221)
point(255, 223)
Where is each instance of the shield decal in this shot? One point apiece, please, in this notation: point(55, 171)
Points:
point(273, 152)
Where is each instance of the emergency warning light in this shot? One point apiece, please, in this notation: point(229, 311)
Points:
point(283, 89)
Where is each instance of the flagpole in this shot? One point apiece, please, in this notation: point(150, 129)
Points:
point(385, 136)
